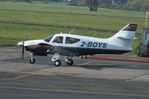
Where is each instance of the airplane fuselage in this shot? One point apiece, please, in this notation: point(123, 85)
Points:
point(84, 46)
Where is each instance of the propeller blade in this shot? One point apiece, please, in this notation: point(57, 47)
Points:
point(23, 51)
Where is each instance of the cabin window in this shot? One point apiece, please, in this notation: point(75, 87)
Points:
point(58, 39)
point(70, 40)
point(48, 39)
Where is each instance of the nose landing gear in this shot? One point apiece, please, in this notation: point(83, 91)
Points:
point(32, 59)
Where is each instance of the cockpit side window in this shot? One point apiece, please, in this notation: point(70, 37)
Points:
point(48, 39)
point(58, 39)
point(70, 40)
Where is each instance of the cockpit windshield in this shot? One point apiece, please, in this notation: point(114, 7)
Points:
point(48, 39)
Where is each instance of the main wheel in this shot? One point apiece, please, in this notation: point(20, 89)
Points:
point(57, 63)
point(32, 60)
point(69, 62)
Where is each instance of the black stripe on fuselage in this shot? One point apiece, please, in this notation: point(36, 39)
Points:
point(88, 51)
point(72, 51)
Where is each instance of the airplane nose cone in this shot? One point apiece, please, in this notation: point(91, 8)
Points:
point(21, 43)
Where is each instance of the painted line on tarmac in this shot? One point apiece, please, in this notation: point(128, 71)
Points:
point(118, 59)
point(81, 92)
point(14, 78)
point(86, 63)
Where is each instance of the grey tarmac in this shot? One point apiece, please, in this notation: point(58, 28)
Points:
point(86, 79)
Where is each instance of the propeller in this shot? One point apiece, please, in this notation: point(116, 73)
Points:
point(23, 50)
point(21, 44)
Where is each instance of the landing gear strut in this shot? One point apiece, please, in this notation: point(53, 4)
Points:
point(56, 60)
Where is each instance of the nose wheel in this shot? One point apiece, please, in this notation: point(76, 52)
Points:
point(32, 60)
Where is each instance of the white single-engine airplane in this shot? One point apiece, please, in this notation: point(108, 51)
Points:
point(70, 45)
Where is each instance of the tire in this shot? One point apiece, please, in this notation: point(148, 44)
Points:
point(32, 60)
point(57, 63)
point(70, 62)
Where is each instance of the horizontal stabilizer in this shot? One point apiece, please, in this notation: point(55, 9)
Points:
point(122, 37)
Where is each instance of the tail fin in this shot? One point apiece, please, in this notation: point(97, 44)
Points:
point(125, 36)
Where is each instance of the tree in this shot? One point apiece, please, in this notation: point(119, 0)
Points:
point(83, 2)
point(73, 2)
point(137, 4)
point(29, 1)
point(93, 5)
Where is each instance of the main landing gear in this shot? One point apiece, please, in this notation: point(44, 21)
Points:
point(69, 60)
point(57, 62)
point(55, 59)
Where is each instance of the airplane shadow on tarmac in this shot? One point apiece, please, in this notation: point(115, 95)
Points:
point(98, 67)
point(85, 63)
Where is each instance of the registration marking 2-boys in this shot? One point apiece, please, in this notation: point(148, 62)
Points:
point(94, 44)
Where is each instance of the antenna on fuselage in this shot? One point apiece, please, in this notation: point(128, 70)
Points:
point(71, 30)
point(94, 34)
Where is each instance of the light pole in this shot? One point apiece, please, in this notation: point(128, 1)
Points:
point(146, 18)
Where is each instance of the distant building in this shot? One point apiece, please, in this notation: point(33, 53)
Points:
point(72, 2)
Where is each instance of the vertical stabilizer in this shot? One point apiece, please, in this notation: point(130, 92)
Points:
point(125, 36)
